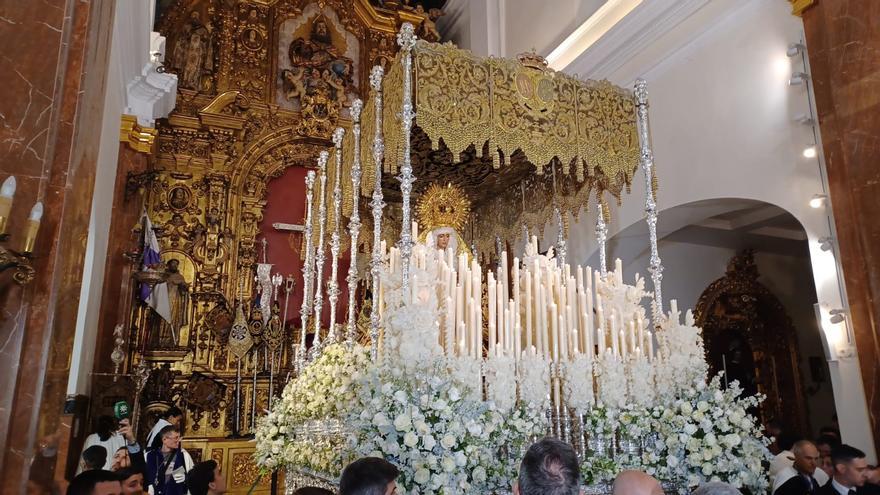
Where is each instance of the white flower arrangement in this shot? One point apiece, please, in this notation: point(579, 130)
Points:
point(640, 381)
point(534, 381)
point(682, 357)
point(428, 424)
point(707, 434)
point(578, 386)
point(611, 380)
point(289, 433)
point(501, 382)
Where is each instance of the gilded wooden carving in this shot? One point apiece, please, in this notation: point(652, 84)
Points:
point(748, 333)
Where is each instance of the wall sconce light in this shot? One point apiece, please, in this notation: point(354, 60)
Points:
point(19, 260)
point(817, 201)
point(795, 49)
point(837, 316)
point(810, 151)
point(826, 243)
point(798, 78)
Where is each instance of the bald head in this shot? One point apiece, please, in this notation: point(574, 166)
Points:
point(806, 457)
point(636, 483)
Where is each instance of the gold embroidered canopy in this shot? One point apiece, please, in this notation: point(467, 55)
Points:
point(517, 137)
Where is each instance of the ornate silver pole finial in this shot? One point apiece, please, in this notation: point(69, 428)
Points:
point(354, 224)
point(602, 238)
point(333, 285)
point(647, 163)
point(406, 39)
point(376, 205)
point(307, 269)
point(319, 253)
point(560, 237)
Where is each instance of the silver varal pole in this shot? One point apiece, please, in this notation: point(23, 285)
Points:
point(354, 224)
point(406, 39)
point(647, 163)
point(333, 284)
point(307, 268)
point(602, 238)
point(560, 237)
point(319, 252)
point(376, 204)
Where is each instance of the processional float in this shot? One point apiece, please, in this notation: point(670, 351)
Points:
point(492, 149)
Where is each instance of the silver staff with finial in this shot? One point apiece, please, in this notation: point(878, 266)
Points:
point(407, 40)
point(647, 162)
point(307, 270)
point(319, 252)
point(354, 224)
point(376, 205)
point(333, 284)
point(602, 238)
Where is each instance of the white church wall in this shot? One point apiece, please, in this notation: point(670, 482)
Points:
point(722, 117)
point(133, 87)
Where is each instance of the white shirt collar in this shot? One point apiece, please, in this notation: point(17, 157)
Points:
point(842, 490)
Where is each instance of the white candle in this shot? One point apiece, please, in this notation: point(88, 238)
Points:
point(600, 325)
point(623, 352)
point(493, 337)
point(504, 278)
point(618, 271)
point(450, 327)
point(614, 337)
point(554, 334)
point(673, 306)
point(650, 345)
point(528, 305)
point(574, 344)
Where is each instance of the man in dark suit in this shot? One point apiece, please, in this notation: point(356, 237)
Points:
point(800, 476)
point(850, 471)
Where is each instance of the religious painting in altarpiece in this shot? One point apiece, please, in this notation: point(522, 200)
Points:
point(262, 84)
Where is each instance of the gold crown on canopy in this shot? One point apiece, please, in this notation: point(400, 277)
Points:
point(443, 206)
point(532, 60)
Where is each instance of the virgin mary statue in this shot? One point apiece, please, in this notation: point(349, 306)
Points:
point(442, 212)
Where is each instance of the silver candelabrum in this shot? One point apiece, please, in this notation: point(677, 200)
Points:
point(333, 284)
point(354, 224)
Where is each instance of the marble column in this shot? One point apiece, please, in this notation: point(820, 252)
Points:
point(54, 67)
point(844, 54)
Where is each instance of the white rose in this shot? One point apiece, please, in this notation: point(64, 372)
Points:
point(422, 476)
point(410, 439)
point(403, 422)
point(460, 459)
point(454, 394)
point(479, 474)
point(447, 441)
point(702, 406)
point(672, 461)
point(429, 442)
point(448, 464)
point(379, 419)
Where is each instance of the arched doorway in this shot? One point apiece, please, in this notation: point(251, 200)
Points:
point(750, 337)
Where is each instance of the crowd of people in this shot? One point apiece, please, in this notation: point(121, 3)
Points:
point(114, 463)
point(823, 466)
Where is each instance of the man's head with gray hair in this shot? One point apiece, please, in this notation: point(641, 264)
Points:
point(716, 488)
point(550, 467)
point(806, 457)
point(636, 483)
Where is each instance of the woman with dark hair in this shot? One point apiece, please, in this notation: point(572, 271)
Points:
point(168, 465)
